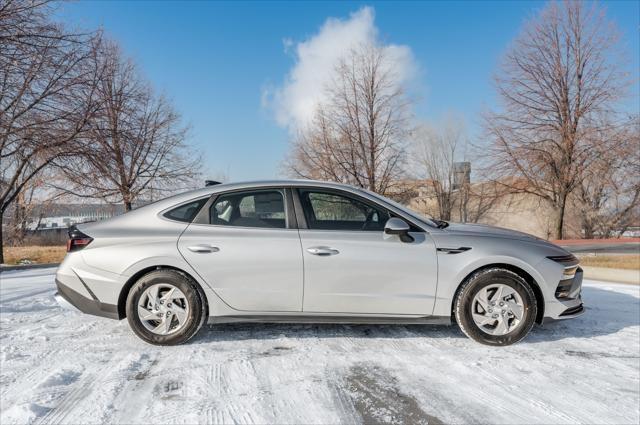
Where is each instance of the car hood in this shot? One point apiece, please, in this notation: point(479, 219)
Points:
point(465, 229)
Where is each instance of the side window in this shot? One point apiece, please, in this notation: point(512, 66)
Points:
point(263, 208)
point(331, 211)
point(186, 212)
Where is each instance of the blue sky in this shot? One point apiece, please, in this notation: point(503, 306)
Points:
point(216, 60)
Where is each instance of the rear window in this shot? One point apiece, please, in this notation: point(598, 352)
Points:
point(186, 212)
point(263, 208)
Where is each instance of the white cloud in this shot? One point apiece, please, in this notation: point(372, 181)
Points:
point(316, 58)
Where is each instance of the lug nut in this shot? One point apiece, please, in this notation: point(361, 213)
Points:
point(161, 301)
point(168, 305)
point(490, 310)
point(495, 316)
point(501, 304)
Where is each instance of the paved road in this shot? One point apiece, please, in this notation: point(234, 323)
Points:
point(613, 248)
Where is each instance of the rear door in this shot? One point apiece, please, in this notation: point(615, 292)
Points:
point(245, 245)
point(351, 266)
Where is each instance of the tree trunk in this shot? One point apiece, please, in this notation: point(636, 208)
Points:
point(127, 206)
point(588, 231)
point(588, 226)
point(1, 241)
point(559, 219)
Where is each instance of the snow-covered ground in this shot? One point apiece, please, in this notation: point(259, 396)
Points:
point(63, 367)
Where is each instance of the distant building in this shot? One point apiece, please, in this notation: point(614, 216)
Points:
point(56, 216)
point(461, 174)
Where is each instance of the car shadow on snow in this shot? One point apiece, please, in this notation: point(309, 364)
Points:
point(265, 331)
point(607, 313)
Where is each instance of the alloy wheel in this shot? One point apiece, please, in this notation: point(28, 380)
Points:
point(163, 309)
point(497, 309)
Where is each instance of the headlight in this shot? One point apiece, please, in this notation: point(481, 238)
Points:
point(570, 263)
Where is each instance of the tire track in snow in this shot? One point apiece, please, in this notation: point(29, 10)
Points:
point(24, 295)
point(37, 368)
point(136, 381)
point(93, 395)
point(77, 393)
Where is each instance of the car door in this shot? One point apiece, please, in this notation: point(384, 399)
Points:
point(245, 246)
point(351, 266)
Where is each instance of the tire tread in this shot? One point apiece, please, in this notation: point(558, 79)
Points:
point(178, 338)
point(470, 282)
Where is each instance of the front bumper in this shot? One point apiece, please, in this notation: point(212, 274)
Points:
point(70, 299)
point(570, 313)
point(567, 303)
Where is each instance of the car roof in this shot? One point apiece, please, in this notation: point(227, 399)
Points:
point(276, 182)
point(183, 197)
point(223, 187)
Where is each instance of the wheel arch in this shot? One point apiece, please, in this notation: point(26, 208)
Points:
point(126, 288)
point(515, 269)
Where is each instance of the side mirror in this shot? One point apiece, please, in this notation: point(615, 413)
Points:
point(397, 226)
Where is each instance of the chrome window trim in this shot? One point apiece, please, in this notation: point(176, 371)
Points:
point(347, 193)
point(202, 218)
point(291, 208)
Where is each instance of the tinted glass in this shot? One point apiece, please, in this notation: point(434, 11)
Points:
point(263, 208)
point(331, 211)
point(186, 212)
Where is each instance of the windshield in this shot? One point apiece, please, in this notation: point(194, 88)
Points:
point(414, 214)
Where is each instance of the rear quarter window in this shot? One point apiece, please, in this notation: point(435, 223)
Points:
point(186, 212)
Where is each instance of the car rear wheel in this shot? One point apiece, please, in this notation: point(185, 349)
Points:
point(165, 307)
point(495, 307)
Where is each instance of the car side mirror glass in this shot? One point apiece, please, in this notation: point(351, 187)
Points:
point(397, 226)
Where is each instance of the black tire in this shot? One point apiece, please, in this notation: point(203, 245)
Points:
point(478, 281)
point(193, 293)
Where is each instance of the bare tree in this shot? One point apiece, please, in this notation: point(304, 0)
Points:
point(29, 207)
point(26, 22)
point(440, 163)
point(358, 135)
point(46, 82)
point(134, 146)
point(608, 195)
point(437, 150)
point(559, 77)
point(476, 200)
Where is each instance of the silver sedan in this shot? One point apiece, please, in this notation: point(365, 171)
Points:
point(307, 251)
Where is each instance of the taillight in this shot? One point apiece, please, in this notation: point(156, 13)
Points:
point(77, 240)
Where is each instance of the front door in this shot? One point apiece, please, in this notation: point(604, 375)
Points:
point(247, 251)
point(351, 266)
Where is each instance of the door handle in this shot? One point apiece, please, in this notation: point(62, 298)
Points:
point(203, 248)
point(322, 250)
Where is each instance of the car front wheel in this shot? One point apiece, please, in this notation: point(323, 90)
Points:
point(495, 307)
point(165, 307)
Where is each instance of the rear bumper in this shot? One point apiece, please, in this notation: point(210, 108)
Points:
point(70, 299)
point(62, 302)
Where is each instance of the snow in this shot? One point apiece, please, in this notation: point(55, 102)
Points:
point(59, 366)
